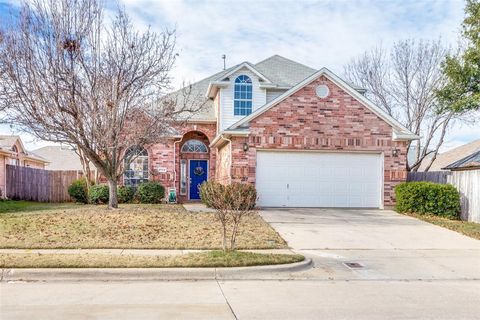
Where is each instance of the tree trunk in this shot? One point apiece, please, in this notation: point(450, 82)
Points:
point(112, 194)
point(224, 236)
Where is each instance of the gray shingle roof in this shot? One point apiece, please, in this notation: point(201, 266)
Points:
point(60, 158)
point(281, 71)
point(7, 141)
point(449, 157)
point(469, 162)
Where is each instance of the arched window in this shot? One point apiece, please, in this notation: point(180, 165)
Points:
point(242, 101)
point(195, 146)
point(136, 166)
point(15, 149)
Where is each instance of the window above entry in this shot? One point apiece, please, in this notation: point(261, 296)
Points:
point(242, 102)
point(195, 146)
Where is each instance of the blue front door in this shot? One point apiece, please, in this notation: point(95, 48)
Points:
point(198, 174)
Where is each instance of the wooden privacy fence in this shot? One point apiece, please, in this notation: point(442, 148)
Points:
point(24, 183)
point(466, 182)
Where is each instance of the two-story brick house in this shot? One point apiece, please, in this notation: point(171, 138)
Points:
point(304, 137)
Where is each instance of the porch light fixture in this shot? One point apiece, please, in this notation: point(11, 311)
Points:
point(245, 147)
point(395, 152)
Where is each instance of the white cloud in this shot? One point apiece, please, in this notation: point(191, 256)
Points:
point(320, 33)
point(316, 33)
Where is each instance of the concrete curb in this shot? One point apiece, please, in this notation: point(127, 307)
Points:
point(146, 274)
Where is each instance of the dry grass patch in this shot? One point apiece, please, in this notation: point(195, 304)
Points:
point(131, 226)
point(203, 259)
point(470, 229)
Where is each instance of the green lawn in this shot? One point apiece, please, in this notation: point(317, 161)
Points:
point(136, 226)
point(7, 206)
point(470, 229)
point(202, 259)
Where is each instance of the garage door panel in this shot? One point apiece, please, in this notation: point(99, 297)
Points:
point(318, 179)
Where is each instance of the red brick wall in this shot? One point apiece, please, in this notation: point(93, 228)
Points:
point(162, 155)
point(305, 122)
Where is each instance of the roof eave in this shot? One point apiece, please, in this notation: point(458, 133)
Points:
point(6, 152)
point(35, 159)
point(213, 88)
point(248, 66)
point(402, 136)
point(228, 134)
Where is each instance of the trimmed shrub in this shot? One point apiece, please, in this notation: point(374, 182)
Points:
point(235, 196)
point(98, 194)
point(428, 197)
point(125, 194)
point(150, 192)
point(241, 196)
point(210, 190)
point(78, 190)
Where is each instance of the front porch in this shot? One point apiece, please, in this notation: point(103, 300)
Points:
point(184, 162)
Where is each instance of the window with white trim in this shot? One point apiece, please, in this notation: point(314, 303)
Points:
point(183, 177)
point(194, 146)
point(242, 101)
point(136, 166)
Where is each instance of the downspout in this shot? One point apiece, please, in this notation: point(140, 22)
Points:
point(175, 165)
point(4, 196)
point(230, 164)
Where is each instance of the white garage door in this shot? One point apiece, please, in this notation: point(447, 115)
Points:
point(318, 179)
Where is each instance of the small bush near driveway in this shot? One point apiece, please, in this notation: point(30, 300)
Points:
point(207, 190)
point(238, 196)
point(232, 203)
point(98, 194)
point(150, 192)
point(428, 198)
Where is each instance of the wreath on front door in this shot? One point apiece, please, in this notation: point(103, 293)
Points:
point(198, 171)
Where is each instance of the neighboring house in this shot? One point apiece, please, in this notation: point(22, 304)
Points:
point(305, 138)
point(446, 158)
point(466, 178)
point(470, 162)
point(13, 152)
point(60, 158)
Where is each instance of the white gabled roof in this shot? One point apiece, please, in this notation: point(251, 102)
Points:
point(222, 80)
point(400, 132)
point(249, 67)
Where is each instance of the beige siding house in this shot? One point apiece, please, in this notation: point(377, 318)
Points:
point(446, 158)
point(60, 158)
point(13, 152)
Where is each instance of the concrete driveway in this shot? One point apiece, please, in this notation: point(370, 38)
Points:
point(387, 245)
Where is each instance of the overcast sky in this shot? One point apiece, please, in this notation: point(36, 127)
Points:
point(316, 33)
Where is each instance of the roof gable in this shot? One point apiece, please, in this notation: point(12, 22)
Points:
point(246, 65)
point(7, 142)
point(400, 132)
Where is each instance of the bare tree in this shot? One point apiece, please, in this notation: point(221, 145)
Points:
point(404, 83)
point(72, 75)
